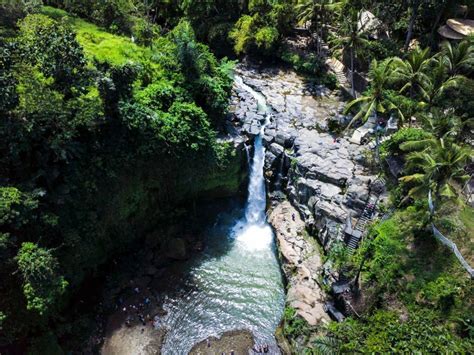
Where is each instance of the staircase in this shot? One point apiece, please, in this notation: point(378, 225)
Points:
point(338, 69)
point(360, 228)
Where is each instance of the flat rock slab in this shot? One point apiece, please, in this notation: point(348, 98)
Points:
point(139, 340)
point(240, 342)
point(301, 263)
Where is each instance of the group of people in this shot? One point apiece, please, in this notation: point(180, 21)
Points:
point(261, 349)
point(139, 310)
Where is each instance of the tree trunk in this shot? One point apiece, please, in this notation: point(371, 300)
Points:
point(414, 15)
point(352, 72)
point(435, 26)
point(377, 139)
point(356, 279)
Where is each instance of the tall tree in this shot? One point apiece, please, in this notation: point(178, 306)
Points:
point(436, 165)
point(437, 82)
point(414, 7)
point(317, 12)
point(374, 100)
point(413, 71)
point(459, 58)
point(352, 38)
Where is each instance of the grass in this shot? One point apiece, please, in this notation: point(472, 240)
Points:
point(457, 223)
point(467, 218)
point(99, 44)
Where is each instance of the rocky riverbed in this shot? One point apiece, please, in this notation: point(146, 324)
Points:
point(301, 263)
point(325, 179)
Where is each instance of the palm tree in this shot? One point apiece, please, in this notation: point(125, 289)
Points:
point(459, 58)
point(436, 165)
point(435, 85)
point(316, 11)
point(442, 123)
point(414, 5)
point(353, 38)
point(413, 70)
point(374, 100)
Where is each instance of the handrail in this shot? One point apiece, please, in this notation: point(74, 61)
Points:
point(451, 245)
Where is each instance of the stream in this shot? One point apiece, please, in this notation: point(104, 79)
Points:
point(236, 283)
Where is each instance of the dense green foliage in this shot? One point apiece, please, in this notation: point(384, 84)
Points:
point(109, 113)
point(91, 124)
point(418, 293)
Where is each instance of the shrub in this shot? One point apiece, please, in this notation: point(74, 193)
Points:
point(159, 95)
point(387, 247)
point(383, 332)
point(392, 145)
point(42, 285)
point(293, 325)
point(441, 292)
point(242, 34)
point(382, 48)
point(266, 38)
point(54, 48)
point(144, 31)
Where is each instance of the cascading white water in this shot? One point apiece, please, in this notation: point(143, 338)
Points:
point(254, 232)
point(237, 283)
point(255, 209)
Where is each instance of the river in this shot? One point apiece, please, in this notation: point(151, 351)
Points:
point(236, 283)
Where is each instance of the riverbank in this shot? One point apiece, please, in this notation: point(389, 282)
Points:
point(301, 263)
point(236, 342)
point(317, 182)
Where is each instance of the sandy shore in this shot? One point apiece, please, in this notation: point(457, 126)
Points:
point(240, 342)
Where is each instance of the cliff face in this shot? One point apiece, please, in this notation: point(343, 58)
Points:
point(326, 179)
point(142, 196)
point(317, 183)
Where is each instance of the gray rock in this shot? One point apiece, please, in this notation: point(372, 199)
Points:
point(267, 140)
point(269, 159)
point(254, 130)
point(276, 149)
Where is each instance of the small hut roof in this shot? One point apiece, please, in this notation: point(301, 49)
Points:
point(462, 26)
point(447, 32)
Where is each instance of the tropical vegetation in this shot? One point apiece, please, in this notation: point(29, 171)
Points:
point(110, 113)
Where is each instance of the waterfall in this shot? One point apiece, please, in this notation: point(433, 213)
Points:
point(255, 209)
point(247, 152)
point(254, 232)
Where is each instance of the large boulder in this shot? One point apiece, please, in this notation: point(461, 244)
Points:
point(176, 249)
point(276, 149)
point(357, 192)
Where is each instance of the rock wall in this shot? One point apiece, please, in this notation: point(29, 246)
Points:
point(317, 182)
point(301, 263)
point(324, 178)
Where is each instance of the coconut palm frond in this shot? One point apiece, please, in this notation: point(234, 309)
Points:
point(326, 345)
point(411, 146)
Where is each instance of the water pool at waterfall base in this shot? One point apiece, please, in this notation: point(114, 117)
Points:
point(235, 284)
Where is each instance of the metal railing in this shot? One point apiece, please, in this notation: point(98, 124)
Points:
point(451, 245)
